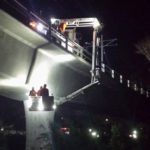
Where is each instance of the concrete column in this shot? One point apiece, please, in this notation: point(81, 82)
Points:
point(38, 129)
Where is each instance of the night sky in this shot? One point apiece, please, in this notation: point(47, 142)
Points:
point(128, 21)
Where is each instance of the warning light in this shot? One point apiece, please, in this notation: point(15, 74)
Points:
point(33, 24)
point(38, 27)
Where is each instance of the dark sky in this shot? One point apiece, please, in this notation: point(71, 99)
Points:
point(128, 21)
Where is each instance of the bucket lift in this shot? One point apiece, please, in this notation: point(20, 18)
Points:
point(39, 103)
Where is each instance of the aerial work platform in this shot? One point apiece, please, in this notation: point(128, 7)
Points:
point(39, 103)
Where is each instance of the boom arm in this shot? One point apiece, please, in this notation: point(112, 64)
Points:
point(76, 93)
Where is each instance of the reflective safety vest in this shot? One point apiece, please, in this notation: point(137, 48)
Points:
point(62, 27)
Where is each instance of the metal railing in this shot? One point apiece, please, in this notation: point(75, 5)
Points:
point(60, 39)
point(126, 82)
point(71, 46)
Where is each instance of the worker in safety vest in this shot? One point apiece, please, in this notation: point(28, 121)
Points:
point(62, 27)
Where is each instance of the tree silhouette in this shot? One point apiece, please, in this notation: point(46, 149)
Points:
point(143, 47)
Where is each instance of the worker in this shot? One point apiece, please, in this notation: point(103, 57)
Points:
point(39, 93)
point(32, 92)
point(45, 91)
point(62, 27)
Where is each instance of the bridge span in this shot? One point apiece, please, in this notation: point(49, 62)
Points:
point(28, 59)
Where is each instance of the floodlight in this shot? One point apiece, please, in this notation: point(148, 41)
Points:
point(53, 20)
point(54, 106)
point(41, 28)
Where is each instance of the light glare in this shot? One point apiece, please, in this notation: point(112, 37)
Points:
point(40, 105)
point(106, 119)
point(134, 132)
point(134, 136)
point(14, 82)
point(39, 75)
point(2, 129)
point(54, 106)
point(93, 133)
point(64, 58)
point(90, 130)
point(33, 24)
point(59, 58)
point(41, 28)
point(53, 20)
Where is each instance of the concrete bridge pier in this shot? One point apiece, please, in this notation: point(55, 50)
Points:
point(38, 129)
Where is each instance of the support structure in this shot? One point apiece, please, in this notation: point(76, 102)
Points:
point(95, 61)
point(76, 93)
point(38, 129)
point(102, 49)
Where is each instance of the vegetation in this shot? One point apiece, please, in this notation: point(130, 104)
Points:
point(115, 134)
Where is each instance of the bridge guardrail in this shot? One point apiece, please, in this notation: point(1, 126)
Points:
point(71, 46)
point(134, 85)
point(60, 39)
